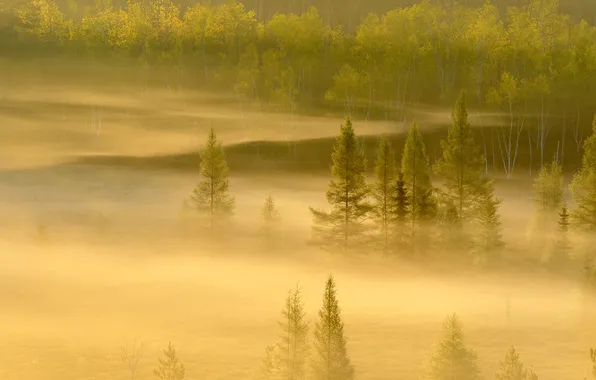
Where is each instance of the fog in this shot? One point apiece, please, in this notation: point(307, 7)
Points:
point(118, 264)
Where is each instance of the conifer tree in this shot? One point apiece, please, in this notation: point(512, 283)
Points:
point(286, 359)
point(512, 368)
point(489, 240)
point(400, 199)
point(451, 359)
point(559, 256)
point(402, 209)
point(170, 367)
point(382, 191)
point(330, 361)
point(583, 186)
point(416, 169)
point(461, 165)
point(343, 226)
point(211, 196)
point(271, 217)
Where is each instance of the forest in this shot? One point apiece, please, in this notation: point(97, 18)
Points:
point(525, 72)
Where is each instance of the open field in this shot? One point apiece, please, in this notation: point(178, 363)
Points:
point(117, 266)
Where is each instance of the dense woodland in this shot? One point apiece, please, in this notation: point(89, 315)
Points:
point(530, 61)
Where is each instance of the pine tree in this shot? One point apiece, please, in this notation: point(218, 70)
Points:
point(512, 367)
point(330, 361)
point(583, 186)
point(489, 240)
point(462, 164)
point(286, 359)
point(401, 211)
point(382, 191)
point(211, 196)
point(559, 256)
point(452, 360)
point(271, 218)
point(343, 226)
point(415, 166)
point(170, 368)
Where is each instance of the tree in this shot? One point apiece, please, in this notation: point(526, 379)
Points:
point(399, 197)
point(270, 216)
point(286, 359)
point(170, 367)
point(330, 361)
point(343, 225)
point(548, 188)
point(559, 255)
point(415, 167)
point(462, 164)
point(583, 186)
point(489, 240)
point(131, 357)
point(512, 367)
point(451, 359)
point(384, 205)
point(211, 196)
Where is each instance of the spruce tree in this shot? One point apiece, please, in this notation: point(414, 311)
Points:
point(462, 164)
point(271, 218)
point(286, 359)
point(400, 199)
point(402, 209)
point(583, 186)
point(382, 191)
point(330, 361)
point(211, 196)
point(415, 166)
point(559, 255)
point(512, 368)
point(170, 367)
point(489, 239)
point(343, 226)
point(451, 359)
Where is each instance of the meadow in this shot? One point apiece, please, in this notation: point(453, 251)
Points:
point(101, 167)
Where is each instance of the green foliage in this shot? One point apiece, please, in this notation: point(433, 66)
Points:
point(489, 239)
point(548, 188)
point(583, 186)
point(512, 368)
point(415, 167)
point(461, 166)
point(452, 359)
point(343, 226)
point(384, 207)
point(330, 360)
point(170, 367)
point(286, 359)
point(559, 257)
point(211, 196)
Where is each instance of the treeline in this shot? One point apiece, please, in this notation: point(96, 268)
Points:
point(403, 214)
point(293, 356)
point(530, 61)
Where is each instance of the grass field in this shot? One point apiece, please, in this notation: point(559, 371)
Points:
point(116, 266)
